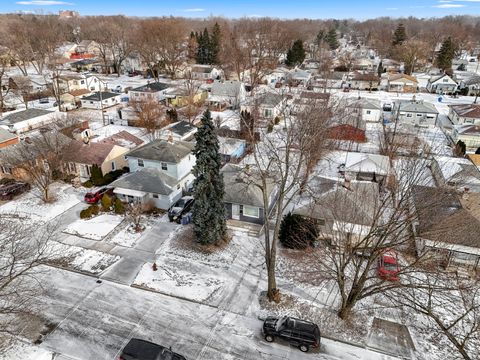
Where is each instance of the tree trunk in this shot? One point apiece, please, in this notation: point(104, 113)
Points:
point(345, 310)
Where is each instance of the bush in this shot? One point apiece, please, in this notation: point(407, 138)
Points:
point(96, 176)
point(297, 232)
point(85, 213)
point(269, 127)
point(88, 184)
point(106, 202)
point(276, 120)
point(7, 181)
point(94, 209)
point(119, 206)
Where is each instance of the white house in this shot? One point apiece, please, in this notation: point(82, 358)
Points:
point(179, 131)
point(230, 93)
point(151, 91)
point(416, 113)
point(468, 133)
point(369, 109)
point(69, 83)
point(99, 100)
point(464, 114)
point(442, 84)
point(363, 166)
point(29, 119)
point(205, 72)
point(173, 158)
point(269, 105)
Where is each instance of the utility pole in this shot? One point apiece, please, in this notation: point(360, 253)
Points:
point(101, 104)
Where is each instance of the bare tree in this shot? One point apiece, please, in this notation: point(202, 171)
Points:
point(450, 303)
point(151, 116)
point(134, 214)
point(21, 255)
point(193, 100)
point(39, 160)
point(283, 157)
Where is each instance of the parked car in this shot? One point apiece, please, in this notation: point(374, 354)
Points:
point(180, 208)
point(95, 196)
point(9, 191)
point(301, 333)
point(44, 101)
point(388, 267)
point(138, 349)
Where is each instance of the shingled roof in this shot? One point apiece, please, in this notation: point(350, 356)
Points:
point(162, 150)
point(90, 154)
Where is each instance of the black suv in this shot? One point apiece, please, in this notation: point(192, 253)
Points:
point(138, 349)
point(180, 208)
point(301, 333)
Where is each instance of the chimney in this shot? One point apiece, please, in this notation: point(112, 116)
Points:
point(170, 137)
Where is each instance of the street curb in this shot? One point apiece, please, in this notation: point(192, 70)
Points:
point(141, 287)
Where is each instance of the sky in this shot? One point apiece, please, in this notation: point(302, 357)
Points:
point(314, 9)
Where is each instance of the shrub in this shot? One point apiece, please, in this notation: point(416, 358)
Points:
point(85, 213)
point(269, 127)
point(94, 209)
point(119, 206)
point(276, 120)
point(88, 184)
point(297, 232)
point(96, 176)
point(106, 202)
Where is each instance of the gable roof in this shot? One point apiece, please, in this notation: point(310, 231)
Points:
point(24, 115)
point(270, 99)
point(227, 88)
point(149, 180)
point(397, 77)
point(417, 107)
point(354, 202)
point(442, 217)
point(371, 163)
point(181, 128)
point(364, 103)
point(151, 87)
point(240, 187)
point(90, 154)
point(162, 150)
point(467, 110)
point(124, 139)
point(439, 77)
point(104, 95)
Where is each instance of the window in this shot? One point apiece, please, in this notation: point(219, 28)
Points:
point(368, 112)
point(113, 165)
point(251, 211)
point(140, 162)
point(88, 168)
point(155, 196)
point(6, 170)
point(418, 115)
point(91, 102)
point(164, 166)
point(320, 222)
point(82, 82)
point(409, 115)
point(178, 187)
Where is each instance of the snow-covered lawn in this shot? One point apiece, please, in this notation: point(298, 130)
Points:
point(30, 204)
point(95, 228)
point(22, 351)
point(80, 259)
point(127, 237)
point(189, 273)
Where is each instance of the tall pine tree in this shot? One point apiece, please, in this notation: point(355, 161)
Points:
point(214, 45)
point(399, 35)
point(203, 47)
point(446, 55)
point(296, 54)
point(331, 39)
point(208, 209)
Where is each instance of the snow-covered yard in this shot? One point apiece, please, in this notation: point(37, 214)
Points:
point(22, 351)
point(95, 228)
point(189, 273)
point(80, 259)
point(30, 204)
point(128, 237)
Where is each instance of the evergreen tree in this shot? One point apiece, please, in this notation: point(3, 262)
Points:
point(96, 175)
point(208, 209)
point(296, 54)
point(321, 37)
point(446, 54)
point(203, 48)
point(331, 39)
point(297, 232)
point(399, 35)
point(380, 69)
point(214, 45)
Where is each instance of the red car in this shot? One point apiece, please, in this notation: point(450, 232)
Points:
point(388, 267)
point(95, 196)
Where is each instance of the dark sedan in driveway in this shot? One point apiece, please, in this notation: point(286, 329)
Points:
point(180, 208)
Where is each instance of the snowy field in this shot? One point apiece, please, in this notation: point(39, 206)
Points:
point(95, 228)
point(128, 238)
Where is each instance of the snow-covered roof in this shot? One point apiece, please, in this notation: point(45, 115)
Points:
point(369, 163)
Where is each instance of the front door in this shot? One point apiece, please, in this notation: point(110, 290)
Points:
point(235, 212)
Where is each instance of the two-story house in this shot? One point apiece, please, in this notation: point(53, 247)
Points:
point(68, 83)
point(151, 91)
point(159, 172)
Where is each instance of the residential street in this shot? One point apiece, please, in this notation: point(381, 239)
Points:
point(94, 321)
